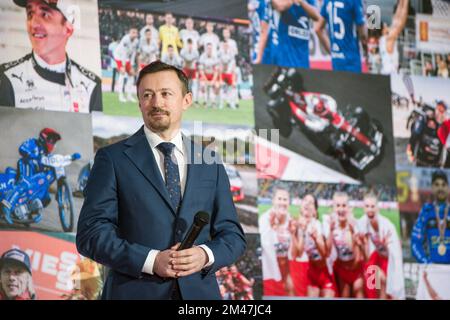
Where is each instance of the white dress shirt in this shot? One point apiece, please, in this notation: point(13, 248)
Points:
point(181, 155)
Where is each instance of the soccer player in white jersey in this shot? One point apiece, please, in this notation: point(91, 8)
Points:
point(228, 90)
point(209, 76)
point(226, 33)
point(172, 58)
point(149, 25)
point(341, 233)
point(124, 55)
point(189, 33)
point(209, 37)
point(190, 57)
point(148, 50)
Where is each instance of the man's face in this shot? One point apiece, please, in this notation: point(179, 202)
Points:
point(47, 28)
point(370, 207)
point(168, 19)
point(440, 108)
point(149, 20)
point(189, 24)
point(280, 202)
point(133, 34)
point(209, 27)
point(226, 33)
point(340, 204)
point(161, 100)
point(14, 279)
point(440, 189)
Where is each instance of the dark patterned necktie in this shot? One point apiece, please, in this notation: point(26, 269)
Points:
point(171, 173)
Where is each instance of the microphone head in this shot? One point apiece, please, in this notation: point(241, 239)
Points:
point(201, 218)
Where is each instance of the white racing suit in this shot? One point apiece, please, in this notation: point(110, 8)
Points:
point(25, 84)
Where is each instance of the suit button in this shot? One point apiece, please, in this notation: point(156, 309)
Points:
point(178, 232)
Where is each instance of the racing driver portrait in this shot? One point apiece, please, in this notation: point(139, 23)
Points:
point(46, 78)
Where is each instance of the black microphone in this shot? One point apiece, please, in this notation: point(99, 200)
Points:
point(200, 220)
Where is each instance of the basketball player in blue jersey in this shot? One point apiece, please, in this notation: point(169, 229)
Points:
point(346, 27)
point(291, 32)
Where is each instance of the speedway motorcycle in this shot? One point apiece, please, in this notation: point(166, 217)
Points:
point(22, 201)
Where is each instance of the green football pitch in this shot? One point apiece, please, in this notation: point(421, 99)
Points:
point(241, 116)
point(392, 215)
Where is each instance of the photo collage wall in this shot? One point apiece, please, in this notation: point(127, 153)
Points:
point(331, 117)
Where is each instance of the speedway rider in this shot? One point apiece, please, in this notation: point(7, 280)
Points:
point(31, 151)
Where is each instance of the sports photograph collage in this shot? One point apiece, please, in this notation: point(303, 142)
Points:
point(330, 116)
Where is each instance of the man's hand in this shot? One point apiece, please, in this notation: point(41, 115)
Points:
point(162, 266)
point(188, 261)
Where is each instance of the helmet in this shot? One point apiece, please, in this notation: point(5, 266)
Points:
point(48, 138)
point(319, 104)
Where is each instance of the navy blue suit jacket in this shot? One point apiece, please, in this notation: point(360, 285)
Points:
point(127, 212)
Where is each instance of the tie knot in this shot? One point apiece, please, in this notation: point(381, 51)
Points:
point(166, 148)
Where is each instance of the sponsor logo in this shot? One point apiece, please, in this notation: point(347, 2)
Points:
point(30, 85)
point(13, 75)
point(32, 98)
point(298, 33)
point(84, 85)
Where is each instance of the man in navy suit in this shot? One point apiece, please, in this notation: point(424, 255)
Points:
point(142, 196)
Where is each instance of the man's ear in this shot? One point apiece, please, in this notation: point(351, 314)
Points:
point(69, 28)
point(187, 100)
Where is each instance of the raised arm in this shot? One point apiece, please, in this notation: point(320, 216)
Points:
point(398, 23)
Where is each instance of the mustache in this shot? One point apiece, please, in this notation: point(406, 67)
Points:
point(156, 110)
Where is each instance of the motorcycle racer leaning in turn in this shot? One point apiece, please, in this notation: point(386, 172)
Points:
point(31, 151)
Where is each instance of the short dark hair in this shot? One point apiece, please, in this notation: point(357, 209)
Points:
point(158, 66)
point(439, 174)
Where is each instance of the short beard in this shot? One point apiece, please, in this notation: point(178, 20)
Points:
point(158, 126)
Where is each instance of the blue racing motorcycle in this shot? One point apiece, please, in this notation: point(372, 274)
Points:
point(23, 200)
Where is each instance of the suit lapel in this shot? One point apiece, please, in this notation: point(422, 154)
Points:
point(194, 160)
point(141, 155)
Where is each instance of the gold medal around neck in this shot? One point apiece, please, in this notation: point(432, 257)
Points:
point(442, 249)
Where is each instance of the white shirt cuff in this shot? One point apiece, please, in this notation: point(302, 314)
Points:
point(209, 254)
point(150, 261)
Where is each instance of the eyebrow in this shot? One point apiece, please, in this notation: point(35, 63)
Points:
point(42, 7)
point(162, 89)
